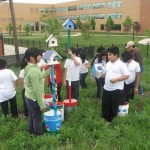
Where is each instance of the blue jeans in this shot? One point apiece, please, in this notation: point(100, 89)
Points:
point(140, 86)
point(82, 80)
point(99, 84)
point(34, 116)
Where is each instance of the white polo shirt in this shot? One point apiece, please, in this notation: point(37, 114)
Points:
point(115, 70)
point(72, 69)
point(83, 67)
point(7, 89)
point(133, 68)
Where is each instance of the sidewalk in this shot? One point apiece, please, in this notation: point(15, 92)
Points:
point(10, 50)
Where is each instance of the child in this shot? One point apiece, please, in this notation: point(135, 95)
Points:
point(102, 59)
point(34, 93)
point(113, 94)
point(100, 49)
point(22, 83)
point(8, 85)
point(83, 70)
point(58, 72)
point(131, 84)
point(72, 68)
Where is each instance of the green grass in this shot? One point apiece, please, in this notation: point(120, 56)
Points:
point(84, 129)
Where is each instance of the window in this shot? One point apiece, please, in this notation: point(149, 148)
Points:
point(84, 17)
point(98, 16)
point(98, 5)
point(73, 17)
point(115, 15)
point(84, 7)
point(72, 8)
point(102, 27)
point(114, 4)
point(62, 9)
point(117, 27)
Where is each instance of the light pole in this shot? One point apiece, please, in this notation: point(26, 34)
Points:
point(20, 30)
point(134, 24)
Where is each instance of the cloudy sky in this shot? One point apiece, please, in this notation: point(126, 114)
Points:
point(41, 1)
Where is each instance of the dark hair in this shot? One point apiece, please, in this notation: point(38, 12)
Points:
point(73, 50)
point(100, 49)
point(32, 52)
point(42, 51)
point(126, 55)
point(101, 54)
point(114, 50)
point(83, 56)
point(23, 63)
point(3, 63)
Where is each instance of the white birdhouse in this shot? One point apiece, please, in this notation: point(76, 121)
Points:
point(51, 56)
point(52, 41)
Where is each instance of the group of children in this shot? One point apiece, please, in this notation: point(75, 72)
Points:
point(120, 80)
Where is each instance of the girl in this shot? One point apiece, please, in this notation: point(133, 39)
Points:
point(83, 70)
point(34, 94)
point(102, 58)
point(22, 83)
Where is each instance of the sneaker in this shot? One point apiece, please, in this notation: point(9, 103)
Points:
point(142, 94)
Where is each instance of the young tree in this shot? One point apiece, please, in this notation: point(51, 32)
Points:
point(92, 23)
point(78, 23)
point(137, 27)
point(9, 28)
point(109, 24)
point(85, 30)
point(127, 24)
point(27, 29)
point(52, 26)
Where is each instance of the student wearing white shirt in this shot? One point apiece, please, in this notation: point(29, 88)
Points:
point(22, 83)
point(72, 68)
point(8, 85)
point(83, 70)
point(132, 83)
point(102, 59)
point(115, 74)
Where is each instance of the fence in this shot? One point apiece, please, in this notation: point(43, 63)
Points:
point(11, 59)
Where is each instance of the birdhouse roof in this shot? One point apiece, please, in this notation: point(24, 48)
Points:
point(65, 23)
point(51, 36)
point(50, 53)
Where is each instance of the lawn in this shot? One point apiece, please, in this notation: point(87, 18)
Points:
point(84, 129)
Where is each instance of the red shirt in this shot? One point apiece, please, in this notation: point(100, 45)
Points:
point(58, 72)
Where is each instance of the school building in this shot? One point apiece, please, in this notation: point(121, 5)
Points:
point(138, 10)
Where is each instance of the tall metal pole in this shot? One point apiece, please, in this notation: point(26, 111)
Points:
point(14, 30)
point(133, 31)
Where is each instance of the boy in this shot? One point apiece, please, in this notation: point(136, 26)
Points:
point(131, 84)
point(8, 85)
point(72, 68)
point(113, 94)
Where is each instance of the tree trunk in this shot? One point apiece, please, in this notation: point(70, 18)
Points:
point(14, 30)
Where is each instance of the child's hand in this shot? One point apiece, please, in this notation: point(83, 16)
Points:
point(42, 109)
point(113, 80)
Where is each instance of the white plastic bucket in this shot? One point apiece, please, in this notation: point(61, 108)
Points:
point(47, 99)
point(123, 109)
point(60, 107)
point(52, 123)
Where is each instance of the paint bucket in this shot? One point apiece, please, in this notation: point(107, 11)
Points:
point(123, 109)
point(70, 105)
point(52, 122)
point(60, 107)
point(47, 99)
